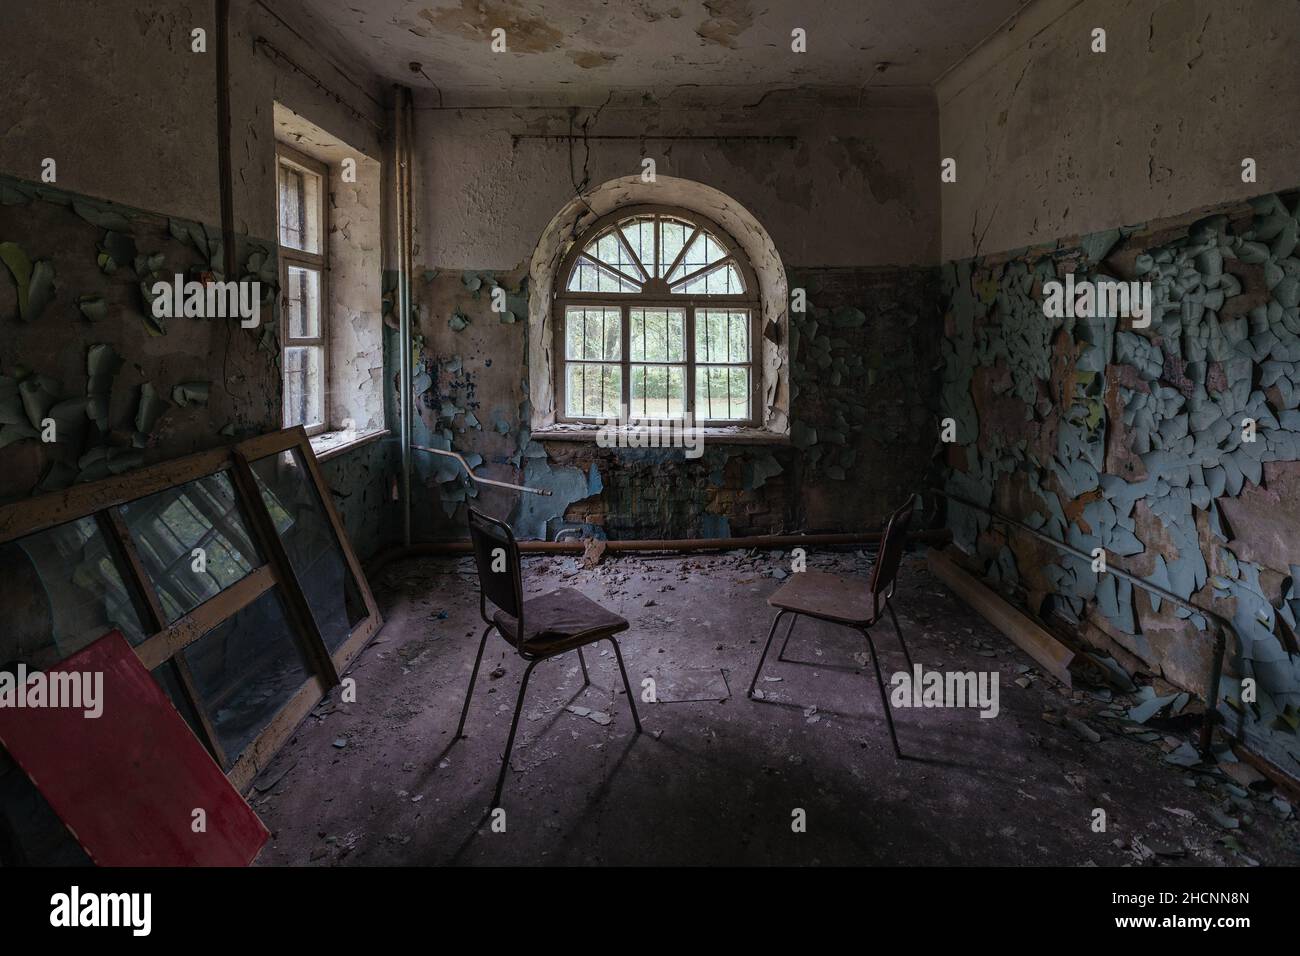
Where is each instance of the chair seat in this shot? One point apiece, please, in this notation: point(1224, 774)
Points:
point(560, 620)
point(826, 596)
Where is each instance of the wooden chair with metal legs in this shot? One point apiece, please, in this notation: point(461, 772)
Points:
point(841, 600)
point(538, 628)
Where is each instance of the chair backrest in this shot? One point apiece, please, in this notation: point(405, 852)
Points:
point(884, 573)
point(497, 558)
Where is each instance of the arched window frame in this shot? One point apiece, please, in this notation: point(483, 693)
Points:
point(656, 294)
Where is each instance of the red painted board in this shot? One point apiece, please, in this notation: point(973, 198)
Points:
point(127, 783)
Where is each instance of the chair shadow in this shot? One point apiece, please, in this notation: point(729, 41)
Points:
point(446, 751)
point(596, 796)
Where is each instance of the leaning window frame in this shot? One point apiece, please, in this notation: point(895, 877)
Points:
point(164, 643)
point(625, 301)
point(317, 261)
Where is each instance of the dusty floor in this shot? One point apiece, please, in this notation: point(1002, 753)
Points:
point(715, 777)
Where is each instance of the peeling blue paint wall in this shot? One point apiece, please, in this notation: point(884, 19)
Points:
point(1108, 436)
point(82, 346)
point(865, 378)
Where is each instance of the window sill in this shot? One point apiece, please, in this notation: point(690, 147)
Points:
point(720, 434)
point(329, 445)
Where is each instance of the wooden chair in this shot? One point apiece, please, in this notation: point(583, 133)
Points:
point(841, 600)
point(538, 628)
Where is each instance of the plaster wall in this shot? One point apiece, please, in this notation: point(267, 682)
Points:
point(1128, 164)
point(1053, 140)
point(133, 118)
point(132, 126)
point(835, 183)
point(845, 201)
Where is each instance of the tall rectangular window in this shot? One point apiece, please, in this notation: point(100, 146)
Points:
point(303, 324)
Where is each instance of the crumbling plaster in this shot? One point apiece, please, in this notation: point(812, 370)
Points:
point(1095, 433)
point(132, 127)
point(668, 49)
point(831, 186)
point(1104, 435)
point(1054, 140)
point(835, 183)
point(862, 421)
point(133, 117)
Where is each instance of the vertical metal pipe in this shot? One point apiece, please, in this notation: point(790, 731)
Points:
point(227, 186)
point(402, 180)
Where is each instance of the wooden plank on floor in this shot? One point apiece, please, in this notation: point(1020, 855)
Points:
point(1053, 656)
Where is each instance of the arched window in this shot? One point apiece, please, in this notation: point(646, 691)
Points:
point(657, 312)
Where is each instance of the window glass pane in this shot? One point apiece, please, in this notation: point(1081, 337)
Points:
point(607, 281)
point(723, 280)
point(722, 392)
point(303, 296)
point(672, 236)
point(592, 390)
point(609, 250)
point(704, 250)
point(292, 207)
point(165, 675)
point(737, 335)
point(314, 552)
point(658, 391)
point(299, 208)
point(304, 378)
point(593, 334)
point(722, 335)
point(584, 276)
point(245, 669)
point(639, 234)
point(168, 526)
point(61, 590)
point(588, 276)
point(657, 335)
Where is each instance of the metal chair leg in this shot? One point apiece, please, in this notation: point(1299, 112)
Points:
point(786, 643)
point(899, 631)
point(631, 699)
point(460, 728)
point(510, 741)
point(884, 698)
point(759, 669)
point(586, 678)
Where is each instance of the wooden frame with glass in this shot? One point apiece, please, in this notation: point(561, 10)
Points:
point(301, 188)
point(228, 571)
point(658, 313)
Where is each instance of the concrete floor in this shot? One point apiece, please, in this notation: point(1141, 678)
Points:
point(716, 781)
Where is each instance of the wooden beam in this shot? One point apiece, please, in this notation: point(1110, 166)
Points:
point(154, 617)
point(101, 499)
point(356, 641)
point(185, 677)
point(341, 535)
point(1283, 780)
point(31, 515)
point(268, 539)
point(205, 617)
point(274, 735)
point(1050, 654)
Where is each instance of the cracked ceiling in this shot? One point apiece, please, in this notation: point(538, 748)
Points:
point(657, 48)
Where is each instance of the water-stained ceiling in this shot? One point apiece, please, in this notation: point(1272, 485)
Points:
point(567, 49)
